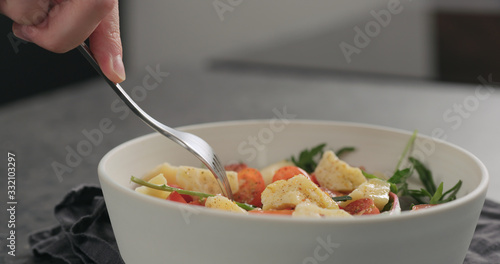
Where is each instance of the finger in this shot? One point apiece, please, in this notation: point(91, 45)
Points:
point(67, 25)
point(106, 46)
point(25, 12)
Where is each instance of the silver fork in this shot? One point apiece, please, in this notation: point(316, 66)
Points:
point(193, 143)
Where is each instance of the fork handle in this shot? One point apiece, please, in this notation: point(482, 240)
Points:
point(84, 49)
point(150, 121)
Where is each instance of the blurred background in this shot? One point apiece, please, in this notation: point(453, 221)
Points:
point(446, 40)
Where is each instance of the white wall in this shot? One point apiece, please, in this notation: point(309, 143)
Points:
point(189, 33)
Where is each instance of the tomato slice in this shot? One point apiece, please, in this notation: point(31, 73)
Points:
point(197, 201)
point(422, 206)
point(251, 187)
point(187, 198)
point(364, 206)
point(176, 197)
point(287, 172)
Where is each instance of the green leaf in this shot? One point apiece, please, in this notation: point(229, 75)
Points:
point(451, 192)
point(369, 176)
point(344, 150)
point(394, 188)
point(308, 159)
point(408, 147)
point(167, 188)
point(424, 192)
point(400, 176)
point(398, 181)
point(342, 198)
point(438, 195)
point(419, 194)
point(387, 207)
point(425, 175)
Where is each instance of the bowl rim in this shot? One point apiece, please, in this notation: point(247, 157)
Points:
point(476, 193)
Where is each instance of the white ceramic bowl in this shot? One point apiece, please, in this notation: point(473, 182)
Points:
point(150, 230)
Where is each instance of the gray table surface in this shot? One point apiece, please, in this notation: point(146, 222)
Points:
point(41, 131)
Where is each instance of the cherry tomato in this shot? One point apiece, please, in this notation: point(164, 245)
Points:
point(197, 201)
point(251, 186)
point(176, 197)
point(187, 198)
point(287, 172)
point(364, 206)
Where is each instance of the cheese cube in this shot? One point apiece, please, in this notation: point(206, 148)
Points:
point(289, 193)
point(158, 180)
point(223, 203)
point(375, 189)
point(335, 174)
point(202, 180)
point(308, 209)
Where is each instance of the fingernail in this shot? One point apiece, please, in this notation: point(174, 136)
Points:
point(22, 32)
point(118, 67)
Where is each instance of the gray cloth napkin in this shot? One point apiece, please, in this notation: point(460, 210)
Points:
point(85, 236)
point(485, 245)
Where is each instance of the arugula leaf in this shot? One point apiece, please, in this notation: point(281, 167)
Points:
point(167, 188)
point(369, 176)
point(424, 174)
point(438, 195)
point(399, 178)
point(344, 150)
point(422, 196)
point(393, 186)
point(308, 159)
point(408, 147)
point(452, 193)
point(418, 195)
point(387, 206)
point(430, 194)
point(342, 198)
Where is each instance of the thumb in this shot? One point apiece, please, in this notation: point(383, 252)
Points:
point(106, 46)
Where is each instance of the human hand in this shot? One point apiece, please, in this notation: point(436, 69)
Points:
point(62, 25)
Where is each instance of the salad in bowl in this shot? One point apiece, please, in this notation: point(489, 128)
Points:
point(314, 183)
point(305, 191)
